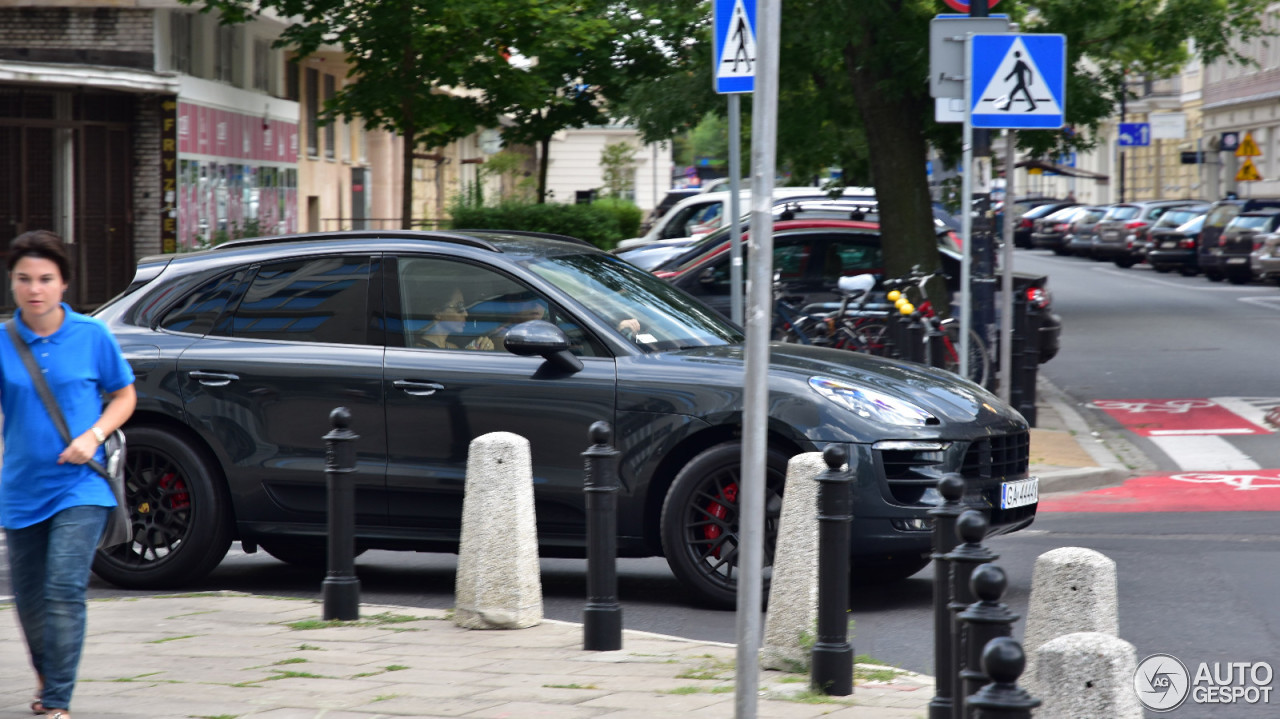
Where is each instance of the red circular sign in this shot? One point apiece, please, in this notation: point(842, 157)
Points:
point(962, 6)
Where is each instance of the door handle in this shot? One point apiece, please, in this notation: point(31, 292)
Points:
point(212, 379)
point(417, 389)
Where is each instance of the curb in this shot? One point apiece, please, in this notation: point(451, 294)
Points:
point(1117, 458)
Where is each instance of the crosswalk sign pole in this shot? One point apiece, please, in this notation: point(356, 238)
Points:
point(966, 210)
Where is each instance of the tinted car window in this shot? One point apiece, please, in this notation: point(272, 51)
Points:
point(1250, 222)
point(856, 259)
point(323, 299)
point(196, 313)
point(1123, 212)
point(1192, 225)
point(1063, 215)
point(1177, 216)
point(421, 302)
point(1221, 215)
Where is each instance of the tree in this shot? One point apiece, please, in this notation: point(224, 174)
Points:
point(408, 59)
point(853, 87)
point(617, 160)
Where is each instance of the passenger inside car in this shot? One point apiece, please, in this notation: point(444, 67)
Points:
point(449, 320)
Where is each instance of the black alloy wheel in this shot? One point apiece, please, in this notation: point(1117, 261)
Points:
point(181, 515)
point(700, 522)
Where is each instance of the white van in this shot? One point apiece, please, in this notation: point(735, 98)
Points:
point(708, 211)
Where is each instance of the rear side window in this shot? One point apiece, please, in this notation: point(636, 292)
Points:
point(323, 299)
point(1124, 212)
point(196, 313)
point(1221, 215)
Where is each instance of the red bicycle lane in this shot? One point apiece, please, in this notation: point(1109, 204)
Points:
point(1256, 490)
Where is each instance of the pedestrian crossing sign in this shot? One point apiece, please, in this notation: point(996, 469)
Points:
point(1017, 81)
point(735, 46)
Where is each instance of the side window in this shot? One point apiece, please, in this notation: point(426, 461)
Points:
point(790, 261)
point(855, 259)
point(322, 299)
point(199, 310)
point(678, 224)
point(442, 304)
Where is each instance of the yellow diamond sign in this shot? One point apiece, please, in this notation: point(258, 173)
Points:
point(1248, 172)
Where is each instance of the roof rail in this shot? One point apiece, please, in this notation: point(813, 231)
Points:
point(434, 235)
point(531, 233)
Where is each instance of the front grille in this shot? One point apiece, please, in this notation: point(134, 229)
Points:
point(1002, 457)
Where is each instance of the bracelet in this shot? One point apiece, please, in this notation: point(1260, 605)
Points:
point(97, 433)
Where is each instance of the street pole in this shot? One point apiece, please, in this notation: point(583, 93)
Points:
point(982, 246)
point(735, 212)
point(1006, 284)
point(1124, 94)
point(764, 132)
point(966, 211)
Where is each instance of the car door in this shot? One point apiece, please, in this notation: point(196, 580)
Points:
point(795, 264)
point(261, 384)
point(441, 396)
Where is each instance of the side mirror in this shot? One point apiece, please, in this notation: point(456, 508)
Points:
point(707, 276)
point(543, 339)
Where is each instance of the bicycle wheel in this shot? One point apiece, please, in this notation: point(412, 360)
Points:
point(863, 336)
point(979, 360)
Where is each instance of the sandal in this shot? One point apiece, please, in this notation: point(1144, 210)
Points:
point(57, 714)
point(37, 706)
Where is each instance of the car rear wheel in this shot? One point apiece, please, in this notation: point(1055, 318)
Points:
point(1125, 263)
point(181, 515)
point(1162, 269)
point(700, 521)
point(1188, 271)
point(1214, 276)
point(1239, 278)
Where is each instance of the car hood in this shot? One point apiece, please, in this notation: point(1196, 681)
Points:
point(719, 372)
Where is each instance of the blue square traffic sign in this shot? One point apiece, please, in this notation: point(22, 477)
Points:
point(734, 60)
point(1018, 81)
point(1134, 134)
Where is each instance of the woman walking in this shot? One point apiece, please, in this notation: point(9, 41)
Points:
point(52, 504)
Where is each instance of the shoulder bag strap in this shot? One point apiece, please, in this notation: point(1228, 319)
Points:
point(46, 395)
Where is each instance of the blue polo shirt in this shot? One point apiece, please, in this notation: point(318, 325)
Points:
point(81, 361)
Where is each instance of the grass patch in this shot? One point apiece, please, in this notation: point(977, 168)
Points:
point(386, 697)
point(868, 659)
point(141, 678)
point(293, 675)
point(309, 648)
point(685, 690)
point(381, 621)
point(171, 639)
point(810, 696)
point(711, 669)
point(570, 686)
point(193, 614)
point(290, 660)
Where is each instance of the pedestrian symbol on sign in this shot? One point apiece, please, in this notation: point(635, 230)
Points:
point(1010, 87)
point(739, 53)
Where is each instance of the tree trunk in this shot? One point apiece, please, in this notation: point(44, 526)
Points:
point(897, 150)
point(406, 182)
point(544, 151)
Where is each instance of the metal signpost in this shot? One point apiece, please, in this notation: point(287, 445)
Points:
point(735, 73)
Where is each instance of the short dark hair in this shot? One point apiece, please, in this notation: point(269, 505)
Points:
point(43, 244)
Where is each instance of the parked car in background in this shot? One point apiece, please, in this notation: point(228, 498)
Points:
point(1079, 238)
point(1142, 240)
point(668, 201)
point(1221, 213)
point(1023, 225)
point(1126, 224)
point(1050, 232)
point(1175, 248)
point(1241, 238)
point(1266, 259)
point(243, 351)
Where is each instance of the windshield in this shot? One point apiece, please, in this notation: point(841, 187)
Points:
point(614, 290)
point(1193, 225)
point(1063, 215)
point(1173, 218)
point(1121, 212)
point(1249, 222)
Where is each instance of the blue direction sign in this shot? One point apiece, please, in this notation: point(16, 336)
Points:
point(1018, 81)
point(1134, 134)
point(735, 46)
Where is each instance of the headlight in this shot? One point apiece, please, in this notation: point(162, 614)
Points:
point(872, 404)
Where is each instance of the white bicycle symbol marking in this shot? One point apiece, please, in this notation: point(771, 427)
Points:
point(1238, 481)
point(1172, 406)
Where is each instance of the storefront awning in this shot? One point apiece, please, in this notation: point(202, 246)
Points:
point(106, 78)
point(1045, 166)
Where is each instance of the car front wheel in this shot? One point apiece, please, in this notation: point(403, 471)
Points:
point(181, 515)
point(700, 521)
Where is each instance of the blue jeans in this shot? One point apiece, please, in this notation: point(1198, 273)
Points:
point(49, 566)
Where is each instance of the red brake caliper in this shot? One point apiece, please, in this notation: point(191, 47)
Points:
point(719, 511)
point(179, 499)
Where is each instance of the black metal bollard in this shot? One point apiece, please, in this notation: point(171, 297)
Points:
point(935, 343)
point(971, 527)
point(1030, 364)
point(1014, 380)
point(984, 620)
point(951, 487)
point(895, 335)
point(915, 349)
point(832, 666)
point(1003, 660)
point(602, 617)
point(341, 588)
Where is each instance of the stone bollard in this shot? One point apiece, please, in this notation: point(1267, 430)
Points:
point(1087, 675)
point(1073, 589)
point(793, 593)
point(499, 585)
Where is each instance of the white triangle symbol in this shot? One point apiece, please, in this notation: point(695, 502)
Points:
point(738, 56)
point(1017, 87)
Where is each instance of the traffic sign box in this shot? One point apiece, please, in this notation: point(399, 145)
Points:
point(1248, 172)
point(735, 46)
point(1248, 148)
point(1134, 134)
point(1018, 81)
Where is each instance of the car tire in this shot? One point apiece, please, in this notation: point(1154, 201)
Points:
point(1061, 251)
point(1239, 278)
point(1186, 271)
point(182, 523)
point(1162, 269)
point(304, 553)
point(700, 521)
point(1125, 263)
point(1214, 276)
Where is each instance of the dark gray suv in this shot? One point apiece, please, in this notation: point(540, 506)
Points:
point(431, 339)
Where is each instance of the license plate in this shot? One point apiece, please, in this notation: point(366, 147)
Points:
point(1237, 260)
point(1019, 493)
point(1169, 244)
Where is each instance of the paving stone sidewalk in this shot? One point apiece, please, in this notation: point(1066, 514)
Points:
point(229, 655)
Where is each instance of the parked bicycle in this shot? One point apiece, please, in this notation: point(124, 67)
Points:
point(903, 290)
